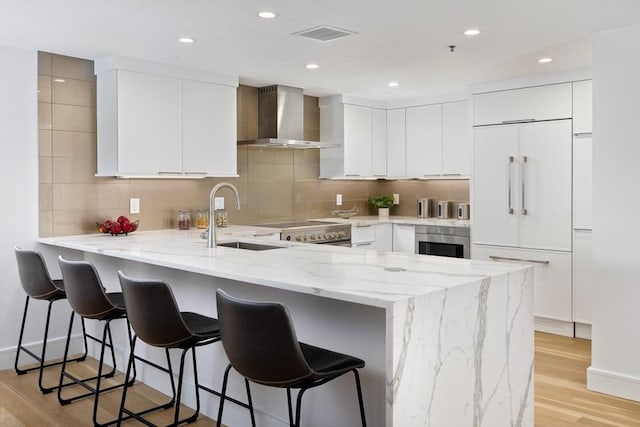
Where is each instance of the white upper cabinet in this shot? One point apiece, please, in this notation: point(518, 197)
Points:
point(157, 124)
point(456, 139)
point(396, 136)
point(582, 107)
point(378, 142)
point(147, 126)
point(361, 133)
point(424, 140)
point(522, 185)
point(357, 140)
point(207, 111)
point(521, 105)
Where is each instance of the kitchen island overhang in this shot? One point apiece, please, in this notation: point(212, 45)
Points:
point(456, 336)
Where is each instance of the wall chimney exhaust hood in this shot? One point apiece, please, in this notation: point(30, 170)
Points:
point(281, 119)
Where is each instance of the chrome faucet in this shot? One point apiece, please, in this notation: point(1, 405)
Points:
point(211, 238)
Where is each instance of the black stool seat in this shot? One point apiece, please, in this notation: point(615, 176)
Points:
point(37, 284)
point(157, 321)
point(261, 344)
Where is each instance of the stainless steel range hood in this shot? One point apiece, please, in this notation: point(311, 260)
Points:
point(281, 119)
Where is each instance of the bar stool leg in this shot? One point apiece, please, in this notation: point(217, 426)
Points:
point(222, 395)
point(289, 406)
point(24, 320)
point(253, 417)
point(360, 402)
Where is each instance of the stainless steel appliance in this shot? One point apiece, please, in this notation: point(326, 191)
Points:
point(322, 232)
point(463, 210)
point(445, 209)
point(280, 119)
point(443, 241)
point(424, 208)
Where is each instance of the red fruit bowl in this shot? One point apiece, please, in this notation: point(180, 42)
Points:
point(114, 228)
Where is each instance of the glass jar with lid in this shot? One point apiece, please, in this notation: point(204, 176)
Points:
point(221, 218)
point(184, 219)
point(202, 218)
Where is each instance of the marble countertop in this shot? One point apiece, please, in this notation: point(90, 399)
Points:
point(349, 274)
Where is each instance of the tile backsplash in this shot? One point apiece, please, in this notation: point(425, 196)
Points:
point(274, 184)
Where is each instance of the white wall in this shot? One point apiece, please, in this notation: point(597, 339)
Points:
point(615, 365)
point(18, 190)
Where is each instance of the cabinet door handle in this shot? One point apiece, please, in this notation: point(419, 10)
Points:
point(169, 172)
point(364, 244)
point(427, 175)
point(524, 204)
point(582, 134)
point(451, 174)
point(508, 122)
point(509, 172)
point(263, 234)
point(195, 173)
point(583, 229)
point(351, 174)
point(504, 258)
point(362, 225)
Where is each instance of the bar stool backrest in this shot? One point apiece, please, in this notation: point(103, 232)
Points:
point(154, 313)
point(34, 275)
point(85, 292)
point(260, 341)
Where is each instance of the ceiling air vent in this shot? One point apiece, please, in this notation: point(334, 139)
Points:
point(324, 33)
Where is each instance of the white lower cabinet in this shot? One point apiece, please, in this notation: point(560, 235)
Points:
point(372, 236)
point(582, 276)
point(552, 283)
point(404, 238)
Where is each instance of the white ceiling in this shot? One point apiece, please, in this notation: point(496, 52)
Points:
point(396, 40)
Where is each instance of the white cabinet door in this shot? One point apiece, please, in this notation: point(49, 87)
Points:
point(456, 139)
point(396, 135)
point(209, 142)
point(378, 142)
point(582, 276)
point(495, 190)
point(582, 107)
point(357, 140)
point(384, 238)
point(149, 124)
point(522, 185)
point(552, 277)
point(404, 238)
point(424, 140)
point(582, 183)
point(361, 234)
point(545, 185)
point(533, 103)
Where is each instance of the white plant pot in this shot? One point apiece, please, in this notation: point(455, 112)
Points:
point(383, 211)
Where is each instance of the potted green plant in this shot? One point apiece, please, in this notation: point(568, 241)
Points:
point(383, 203)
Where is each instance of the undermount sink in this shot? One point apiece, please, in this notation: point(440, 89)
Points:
point(249, 246)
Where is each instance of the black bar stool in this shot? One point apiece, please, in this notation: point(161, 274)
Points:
point(260, 342)
point(37, 284)
point(88, 299)
point(157, 321)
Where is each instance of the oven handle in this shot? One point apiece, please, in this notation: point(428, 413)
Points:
point(504, 258)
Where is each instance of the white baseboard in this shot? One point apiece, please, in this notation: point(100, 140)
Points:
point(557, 327)
point(583, 330)
point(614, 384)
point(55, 349)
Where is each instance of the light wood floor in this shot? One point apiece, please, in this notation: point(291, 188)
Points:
point(561, 397)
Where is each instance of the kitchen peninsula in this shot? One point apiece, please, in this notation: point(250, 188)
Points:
point(447, 342)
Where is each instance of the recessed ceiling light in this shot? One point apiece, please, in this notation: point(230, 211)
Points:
point(312, 66)
point(394, 84)
point(59, 80)
point(186, 40)
point(267, 15)
point(471, 32)
point(545, 60)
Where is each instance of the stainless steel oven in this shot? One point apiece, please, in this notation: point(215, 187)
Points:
point(443, 241)
point(321, 232)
